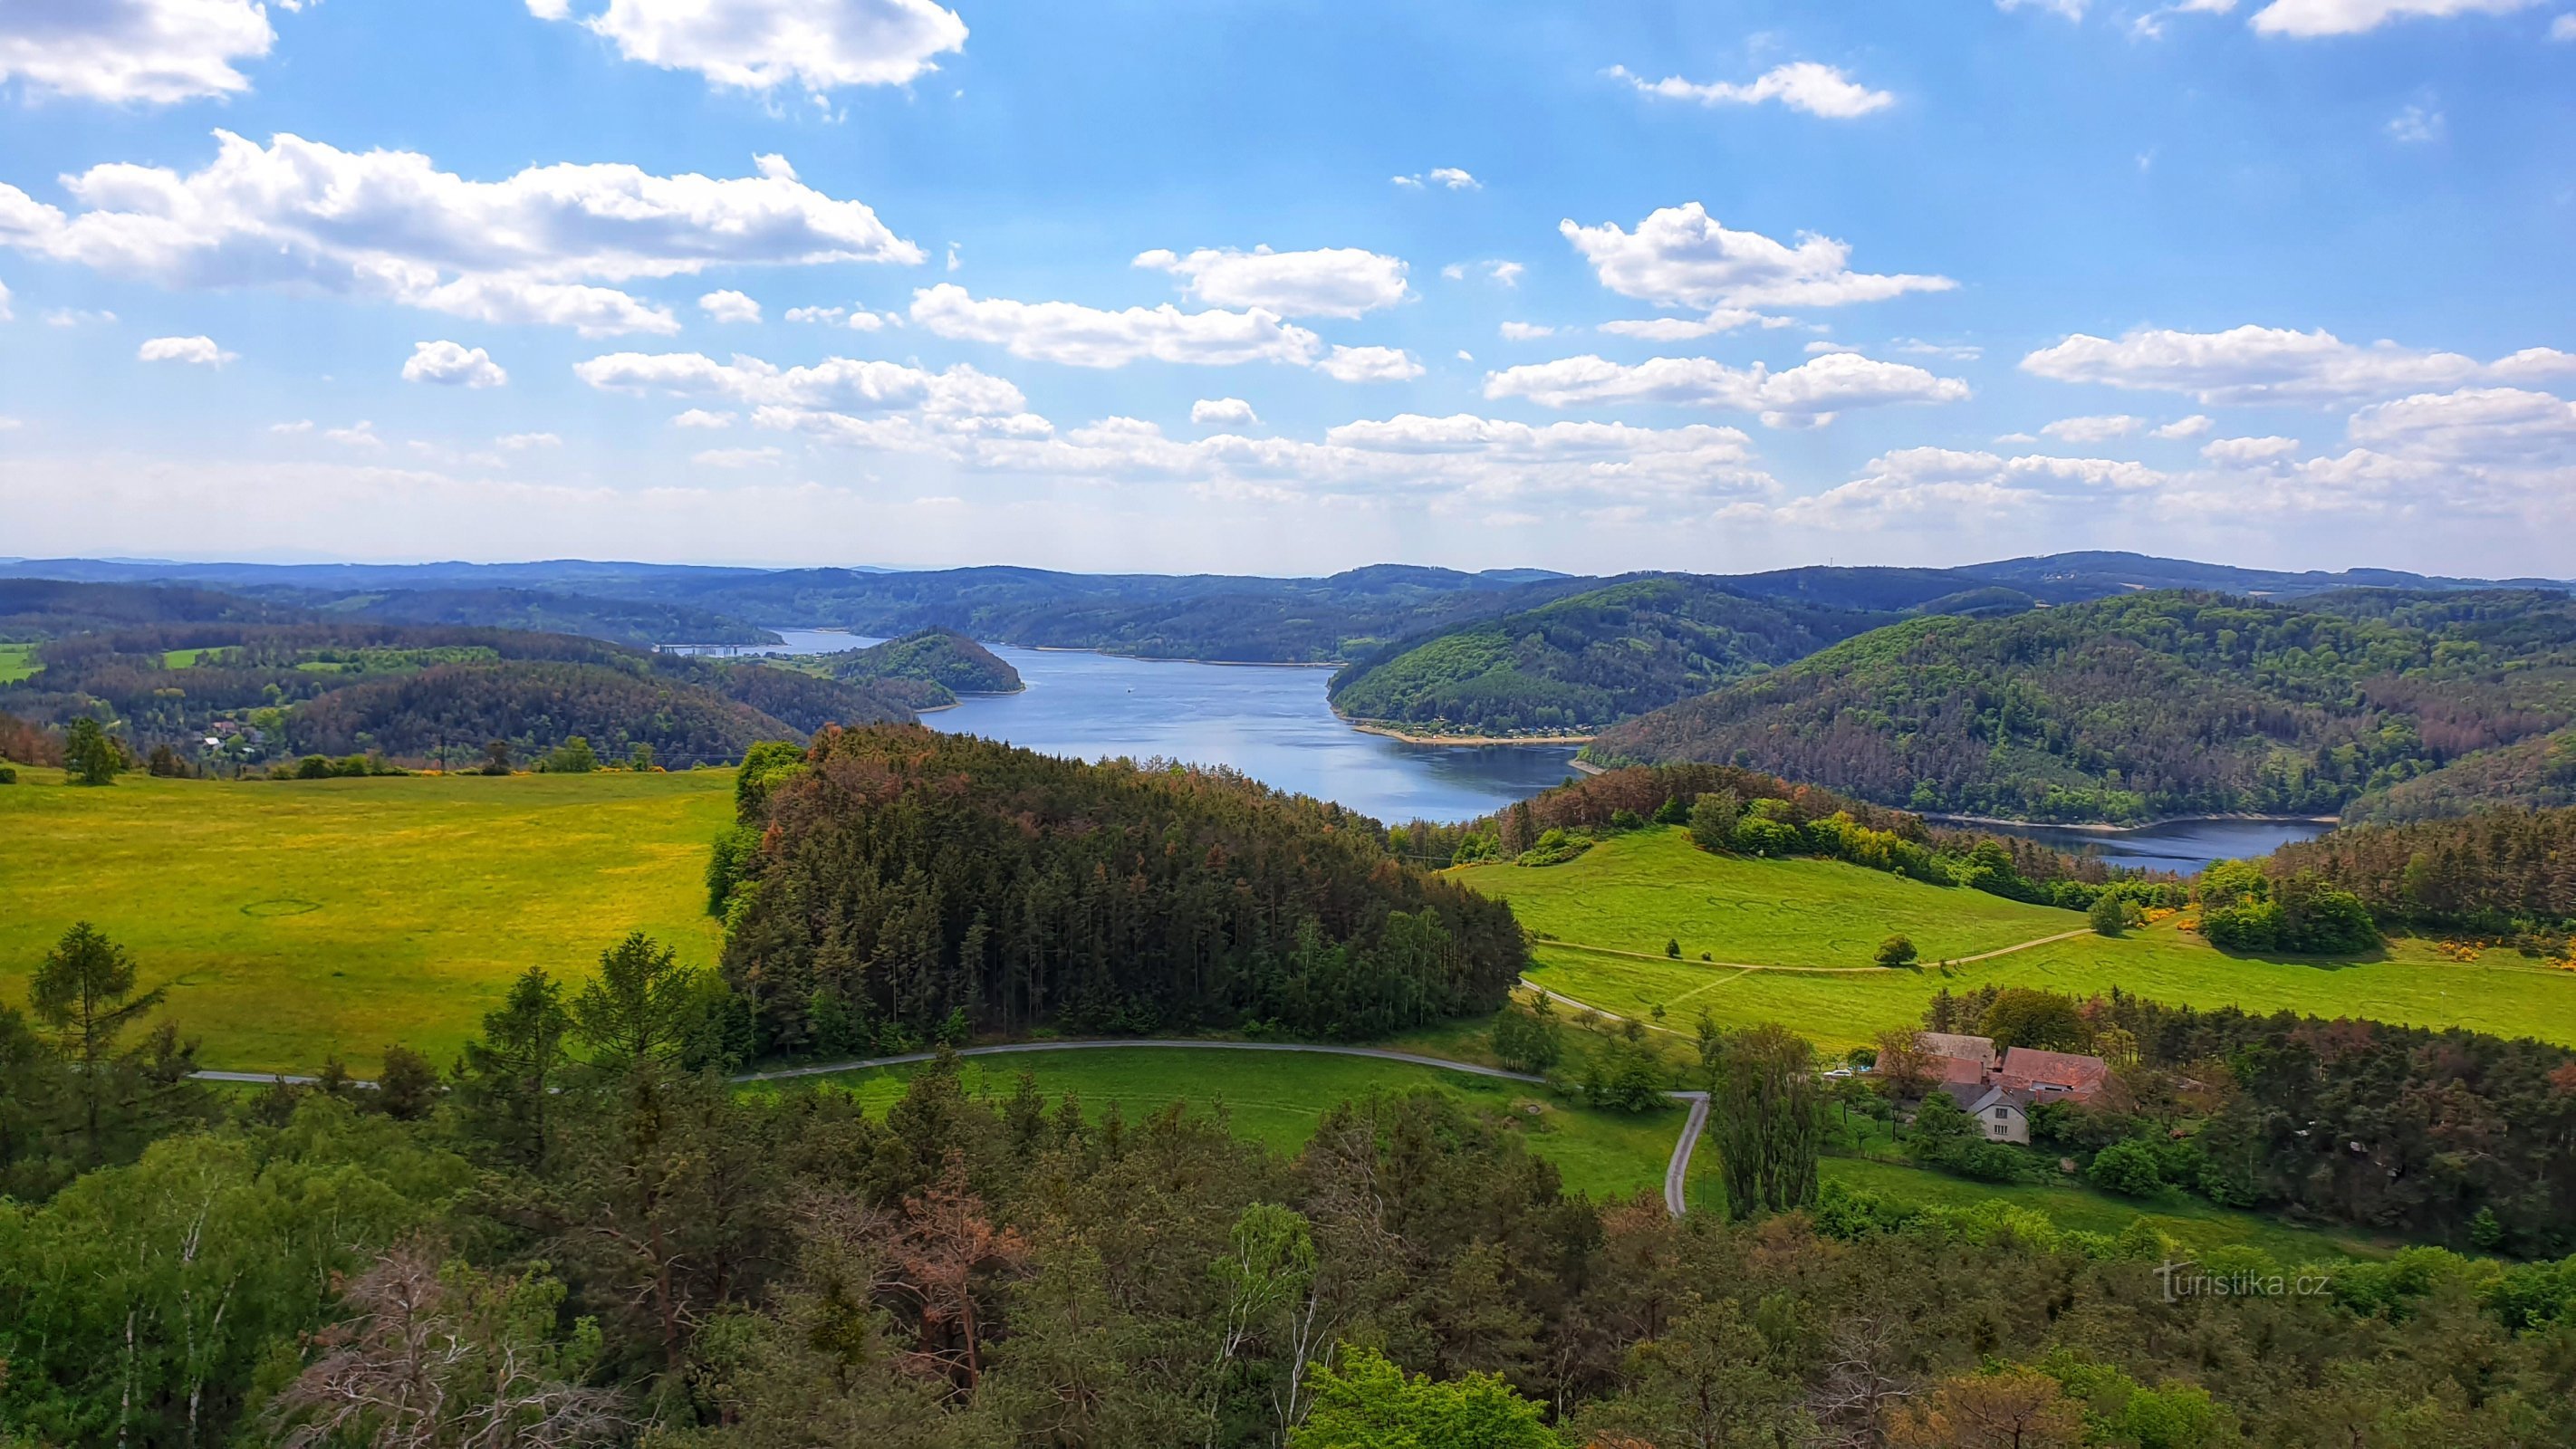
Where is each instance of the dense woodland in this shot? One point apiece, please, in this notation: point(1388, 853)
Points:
point(895, 879)
point(411, 692)
point(641, 624)
point(1589, 660)
point(943, 658)
point(2145, 706)
point(2499, 871)
point(580, 1237)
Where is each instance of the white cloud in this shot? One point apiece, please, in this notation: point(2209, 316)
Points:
point(1525, 331)
point(2093, 429)
point(2248, 450)
point(2071, 9)
point(2190, 427)
point(2415, 126)
point(1231, 412)
point(843, 383)
point(1804, 85)
point(199, 350)
point(301, 425)
point(1505, 274)
point(730, 306)
point(1808, 395)
point(1079, 336)
point(2564, 27)
point(154, 52)
point(761, 44)
point(701, 418)
point(1915, 486)
point(857, 319)
point(1370, 364)
point(1445, 176)
point(2271, 364)
point(76, 317)
point(1330, 282)
point(5, 313)
point(2494, 423)
point(736, 457)
point(2306, 18)
point(524, 442)
point(451, 364)
point(1683, 329)
point(1681, 257)
point(389, 225)
point(356, 435)
point(2150, 26)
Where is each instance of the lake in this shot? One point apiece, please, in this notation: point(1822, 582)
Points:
point(1269, 721)
point(2175, 845)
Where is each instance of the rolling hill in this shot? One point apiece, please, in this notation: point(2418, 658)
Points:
point(2150, 705)
point(1582, 662)
point(946, 662)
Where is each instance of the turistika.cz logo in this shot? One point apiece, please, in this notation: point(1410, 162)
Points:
point(2185, 1279)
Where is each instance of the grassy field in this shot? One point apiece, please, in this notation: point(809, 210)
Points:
point(1652, 886)
point(1277, 1098)
point(17, 661)
point(2187, 1220)
point(296, 919)
point(1637, 891)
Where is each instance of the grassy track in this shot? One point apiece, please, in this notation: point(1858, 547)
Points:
point(302, 918)
point(2186, 1220)
point(1653, 886)
point(1277, 1098)
point(17, 661)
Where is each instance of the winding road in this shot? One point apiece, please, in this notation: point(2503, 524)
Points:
point(1676, 1172)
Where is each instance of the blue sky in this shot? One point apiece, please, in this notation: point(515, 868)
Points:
point(1593, 287)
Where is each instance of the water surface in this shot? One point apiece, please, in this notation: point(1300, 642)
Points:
point(2176, 845)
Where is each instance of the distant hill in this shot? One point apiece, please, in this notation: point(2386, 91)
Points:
point(2153, 704)
point(36, 609)
point(643, 624)
point(1589, 660)
point(943, 658)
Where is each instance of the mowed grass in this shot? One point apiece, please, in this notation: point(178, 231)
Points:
point(17, 661)
point(1279, 1098)
point(299, 919)
point(1658, 887)
point(1640, 890)
point(2196, 1224)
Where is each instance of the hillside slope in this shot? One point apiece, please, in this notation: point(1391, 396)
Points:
point(1583, 662)
point(944, 658)
point(2149, 705)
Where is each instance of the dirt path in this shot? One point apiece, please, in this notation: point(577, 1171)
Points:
point(1741, 966)
point(1676, 1171)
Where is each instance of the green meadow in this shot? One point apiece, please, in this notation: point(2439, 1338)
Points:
point(17, 661)
point(1652, 886)
point(298, 919)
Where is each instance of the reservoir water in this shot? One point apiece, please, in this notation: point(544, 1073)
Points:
point(2183, 846)
point(1269, 721)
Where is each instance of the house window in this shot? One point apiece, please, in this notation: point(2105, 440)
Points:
point(2003, 1114)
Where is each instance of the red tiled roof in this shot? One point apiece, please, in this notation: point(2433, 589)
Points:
point(2029, 1069)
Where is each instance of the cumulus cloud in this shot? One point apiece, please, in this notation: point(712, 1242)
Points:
point(1680, 256)
point(2493, 423)
point(2248, 450)
point(1912, 485)
point(2190, 427)
point(729, 306)
point(736, 457)
point(857, 319)
point(2071, 9)
point(201, 351)
point(359, 434)
point(1449, 177)
point(1686, 329)
point(149, 52)
point(1370, 364)
point(1804, 85)
point(701, 418)
point(389, 225)
point(1079, 336)
point(840, 383)
point(451, 364)
point(1232, 412)
point(758, 45)
point(1808, 395)
point(2309, 18)
point(2270, 364)
point(2093, 429)
point(2416, 126)
point(525, 442)
point(5, 313)
point(1525, 331)
point(1330, 282)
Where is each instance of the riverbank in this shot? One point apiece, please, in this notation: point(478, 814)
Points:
point(2097, 827)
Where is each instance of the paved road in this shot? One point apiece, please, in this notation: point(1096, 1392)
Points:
point(1676, 1173)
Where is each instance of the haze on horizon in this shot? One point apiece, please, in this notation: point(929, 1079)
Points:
point(1287, 287)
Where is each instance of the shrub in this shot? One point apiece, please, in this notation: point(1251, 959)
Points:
point(1527, 1043)
point(1713, 819)
point(2109, 915)
point(2127, 1168)
point(1896, 951)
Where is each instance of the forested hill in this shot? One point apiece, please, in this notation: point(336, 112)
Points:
point(943, 658)
point(2149, 705)
point(895, 876)
point(1589, 660)
point(272, 690)
point(641, 623)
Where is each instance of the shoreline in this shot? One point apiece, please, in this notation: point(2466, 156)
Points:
point(1170, 659)
point(2096, 827)
point(1464, 741)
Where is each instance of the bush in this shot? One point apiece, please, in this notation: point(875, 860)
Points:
point(573, 757)
point(1527, 1043)
point(1896, 951)
point(1555, 846)
point(8, 776)
point(2127, 1168)
point(2109, 915)
point(1765, 837)
point(1713, 819)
